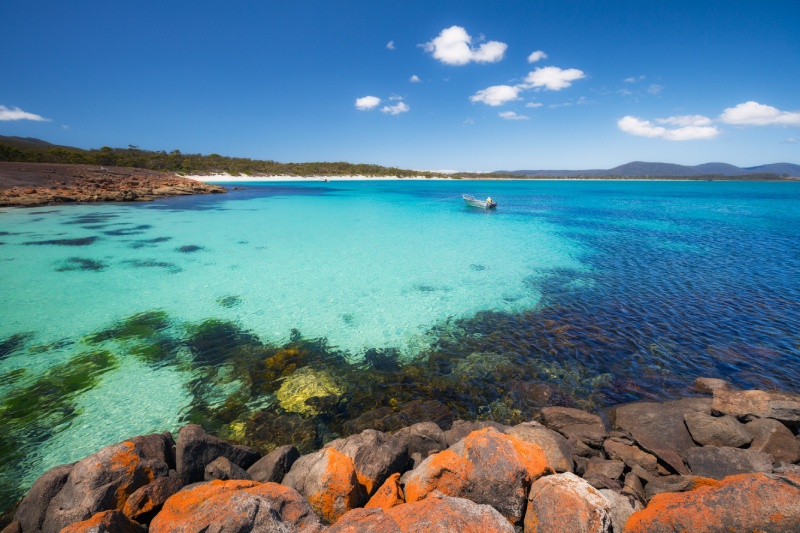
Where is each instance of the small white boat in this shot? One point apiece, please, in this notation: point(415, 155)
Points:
point(474, 202)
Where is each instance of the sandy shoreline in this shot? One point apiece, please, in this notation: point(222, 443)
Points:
point(228, 178)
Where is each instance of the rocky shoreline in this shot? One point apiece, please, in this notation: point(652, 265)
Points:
point(727, 460)
point(36, 184)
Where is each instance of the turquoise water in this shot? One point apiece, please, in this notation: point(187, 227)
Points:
point(121, 319)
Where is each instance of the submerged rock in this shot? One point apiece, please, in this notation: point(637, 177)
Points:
point(305, 384)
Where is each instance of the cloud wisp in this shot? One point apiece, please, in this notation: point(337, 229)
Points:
point(415, 79)
point(754, 114)
point(686, 128)
point(390, 45)
point(538, 55)
point(496, 95)
point(510, 115)
point(367, 102)
point(453, 46)
point(396, 109)
point(553, 78)
point(15, 113)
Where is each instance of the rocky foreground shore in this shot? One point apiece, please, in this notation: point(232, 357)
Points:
point(35, 184)
point(727, 462)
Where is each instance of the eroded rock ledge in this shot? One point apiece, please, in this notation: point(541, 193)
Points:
point(34, 184)
point(728, 463)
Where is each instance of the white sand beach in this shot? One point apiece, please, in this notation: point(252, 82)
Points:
point(242, 178)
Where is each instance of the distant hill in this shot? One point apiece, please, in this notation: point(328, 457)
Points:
point(645, 169)
point(31, 143)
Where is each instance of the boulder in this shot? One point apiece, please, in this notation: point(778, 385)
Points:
point(604, 474)
point(707, 430)
point(633, 487)
point(423, 438)
point(389, 495)
point(566, 503)
point(630, 455)
point(101, 482)
point(105, 522)
point(718, 463)
point(487, 467)
point(462, 428)
point(659, 428)
point(746, 502)
point(196, 449)
point(274, 466)
point(674, 484)
point(13, 527)
point(33, 508)
point(709, 385)
point(772, 437)
point(750, 404)
point(375, 455)
point(147, 501)
point(438, 512)
point(221, 468)
point(158, 446)
point(328, 479)
point(235, 505)
point(575, 423)
point(365, 520)
point(620, 508)
point(558, 450)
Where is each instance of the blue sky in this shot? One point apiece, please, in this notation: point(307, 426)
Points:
point(614, 81)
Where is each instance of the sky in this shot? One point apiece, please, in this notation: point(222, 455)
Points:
point(431, 85)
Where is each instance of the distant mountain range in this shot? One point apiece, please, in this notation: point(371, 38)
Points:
point(644, 169)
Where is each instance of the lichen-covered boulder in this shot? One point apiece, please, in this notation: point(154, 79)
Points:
point(557, 448)
point(741, 503)
point(328, 479)
point(147, 501)
point(565, 503)
point(440, 513)
point(275, 465)
point(101, 482)
point(33, 508)
point(462, 428)
point(423, 438)
point(105, 522)
point(487, 467)
point(230, 506)
point(389, 495)
point(365, 521)
point(196, 449)
point(375, 455)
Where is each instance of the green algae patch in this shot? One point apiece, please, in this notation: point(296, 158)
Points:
point(304, 385)
point(13, 343)
point(141, 326)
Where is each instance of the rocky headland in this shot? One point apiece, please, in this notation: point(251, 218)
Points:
point(34, 184)
point(722, 460)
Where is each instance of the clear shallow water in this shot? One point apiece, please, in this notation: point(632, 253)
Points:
point(125, 319)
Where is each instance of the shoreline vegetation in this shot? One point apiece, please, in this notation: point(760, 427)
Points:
point(728, 462)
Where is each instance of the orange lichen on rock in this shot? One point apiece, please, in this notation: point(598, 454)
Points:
point(389, 495)
point(438, 512)
point(744, 502)
point(565, 503)
point(445, 471)
point(106, 521)
point(127, 460)
point(335, 489)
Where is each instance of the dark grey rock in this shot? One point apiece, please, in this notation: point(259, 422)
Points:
point(643, 474)
point(111, 521)
point(158, 446)
point(296, 476)
point(575, 423)
point(221, 468)
point(668, 484)
point(145, 503)
point(609, 468)
point(274, 466)
point(424, 438)
point(772, 437)
point(659, 428)
point(101, 482)
point(601, 481)
point(707, 430)
point(717, 463)
point(750, 404)
point(376, 456)
point(196, 449)
point(558, 450)
point(13, 527)
point(31, 511)
point(633, 487)
point(462, 428)
point(621, 507)
point(631, 455)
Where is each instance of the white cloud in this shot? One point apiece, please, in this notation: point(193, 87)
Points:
point(686, 120)
point(755, 114)
point(655, 89)
point(534, 105)
point(399, 107)
point(634, 79)
point(496, 95)
point(791, 140)
point(18, 114)
point(414, 79)
point(554, 78)
point(390, 45)
point(510, 115)
point(395, 98)
point(645, 128)
point(538, 55)
point(453, 47)
point(368, 102)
